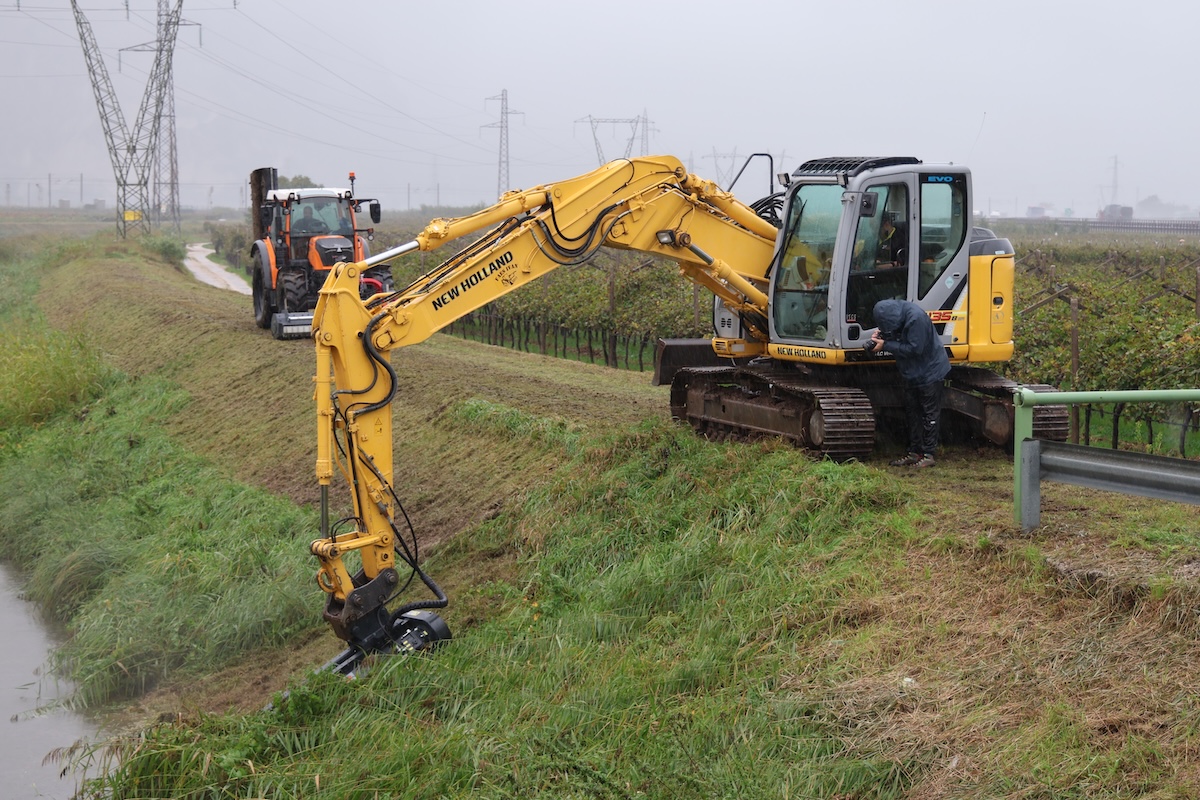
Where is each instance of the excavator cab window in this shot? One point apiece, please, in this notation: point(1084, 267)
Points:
point(880, 265)
point(800, 305)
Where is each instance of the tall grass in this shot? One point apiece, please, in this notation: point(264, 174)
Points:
point(646, 651)
point(169, 248)
point(42, 371)
point(493, 417)
point(155, 560)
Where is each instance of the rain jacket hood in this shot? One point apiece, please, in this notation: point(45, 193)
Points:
point(909, 335)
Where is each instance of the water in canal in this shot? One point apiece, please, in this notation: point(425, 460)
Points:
point(28, 732)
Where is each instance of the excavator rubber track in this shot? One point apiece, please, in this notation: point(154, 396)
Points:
point(746, 403)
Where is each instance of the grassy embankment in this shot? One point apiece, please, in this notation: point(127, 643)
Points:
point(127, 537)
point(637, 612)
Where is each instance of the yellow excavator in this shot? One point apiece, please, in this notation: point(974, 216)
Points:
point(795, 278)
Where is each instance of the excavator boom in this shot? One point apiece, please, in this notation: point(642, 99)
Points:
point(648, 205)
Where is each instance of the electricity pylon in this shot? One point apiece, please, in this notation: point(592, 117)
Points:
point(633, 123)
point(165, 197)
point(132, 152)
point(502, 181)
point(726, 174)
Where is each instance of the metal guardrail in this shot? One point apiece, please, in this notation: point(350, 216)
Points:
point(1186, 226)
point(1162, 477)
point(1086, 224)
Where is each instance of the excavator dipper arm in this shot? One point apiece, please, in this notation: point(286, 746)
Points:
point(651, 205)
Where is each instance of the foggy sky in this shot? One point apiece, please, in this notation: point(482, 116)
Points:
point(1040, 99)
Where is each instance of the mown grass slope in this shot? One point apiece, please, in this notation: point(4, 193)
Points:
point(641, 613)
point(251, 405)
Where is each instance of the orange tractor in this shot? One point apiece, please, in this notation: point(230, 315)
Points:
point(299, 234)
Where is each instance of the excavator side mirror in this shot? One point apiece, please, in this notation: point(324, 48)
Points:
point(868, 204)
point(264, 215)
point(376, 213)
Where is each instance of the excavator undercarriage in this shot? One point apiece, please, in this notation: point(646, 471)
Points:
point(833, 411)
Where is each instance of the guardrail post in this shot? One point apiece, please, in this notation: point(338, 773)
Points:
point(1029, 503)
point(1022, 435)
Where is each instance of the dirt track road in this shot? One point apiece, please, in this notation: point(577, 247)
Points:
point(211, 273)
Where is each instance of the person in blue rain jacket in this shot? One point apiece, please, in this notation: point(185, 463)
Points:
point(906, 332)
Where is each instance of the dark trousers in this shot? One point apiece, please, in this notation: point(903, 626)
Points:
point(923, 412)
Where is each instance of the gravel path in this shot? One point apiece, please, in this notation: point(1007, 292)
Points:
point(212, 273)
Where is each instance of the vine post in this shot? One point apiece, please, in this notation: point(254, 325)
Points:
point(1074, 366)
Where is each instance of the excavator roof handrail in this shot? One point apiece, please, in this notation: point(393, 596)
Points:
point(850, 165)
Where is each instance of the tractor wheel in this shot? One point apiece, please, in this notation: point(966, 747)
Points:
point(263, 307)
point(293, 292)
point(383, 275)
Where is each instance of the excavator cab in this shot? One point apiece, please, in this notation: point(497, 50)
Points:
point(857, 231)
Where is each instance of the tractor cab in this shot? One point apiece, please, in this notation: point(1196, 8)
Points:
point(315, 223)
point(299, 235)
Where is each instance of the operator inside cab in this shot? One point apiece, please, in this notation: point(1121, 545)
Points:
point(308, 224)
point(344, 226)
point(892, 243)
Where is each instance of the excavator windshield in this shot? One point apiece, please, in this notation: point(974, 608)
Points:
point(802, 276)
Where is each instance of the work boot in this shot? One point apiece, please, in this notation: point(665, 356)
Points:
point(907, 460)
point(923, 461)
